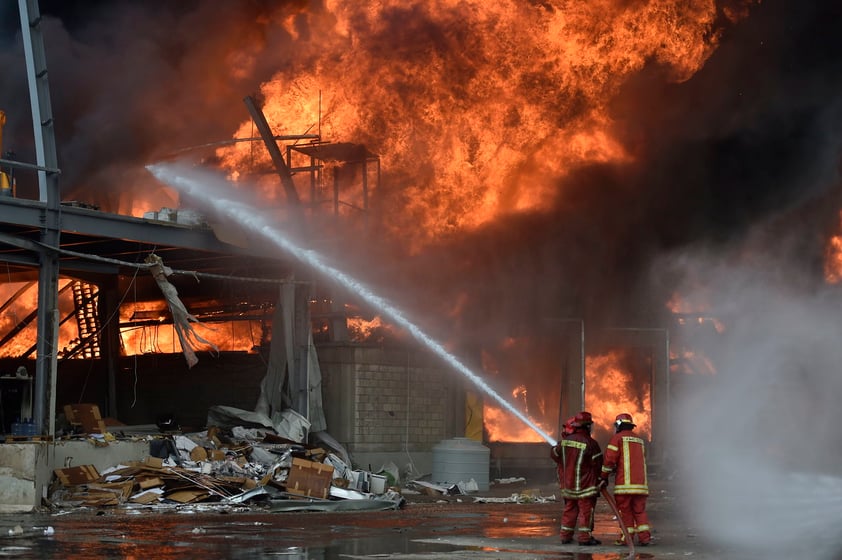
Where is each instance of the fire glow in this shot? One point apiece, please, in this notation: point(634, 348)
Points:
point(146, 327)
point(500, 99)
point(198, 183)
point(611, 389)
point(833, 257)
point(20, 302)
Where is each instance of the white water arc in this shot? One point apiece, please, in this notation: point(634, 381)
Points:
point(201, 184)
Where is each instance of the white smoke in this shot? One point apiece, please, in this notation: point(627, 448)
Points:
point(759, 445)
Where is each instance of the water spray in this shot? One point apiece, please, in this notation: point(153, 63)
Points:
point(196, 183)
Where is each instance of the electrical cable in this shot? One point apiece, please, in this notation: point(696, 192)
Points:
point(194, 273)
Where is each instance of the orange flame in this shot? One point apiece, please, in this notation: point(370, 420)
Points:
point(501, 425)
point(698, 308)
point(23, 306)
point(612, 388)
point(370, 330)
point(481, 107)
point(157, 334)
point(833, 258)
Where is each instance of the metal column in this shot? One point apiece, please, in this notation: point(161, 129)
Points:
point(47, 161)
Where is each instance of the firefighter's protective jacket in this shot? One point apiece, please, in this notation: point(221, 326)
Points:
point(579, 459)
point(625, 455)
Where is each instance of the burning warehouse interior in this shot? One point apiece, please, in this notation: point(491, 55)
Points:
point(619, 206)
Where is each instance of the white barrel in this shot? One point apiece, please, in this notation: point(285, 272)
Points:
point(460, 460)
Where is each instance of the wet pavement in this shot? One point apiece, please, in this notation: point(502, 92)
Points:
point(426, 527)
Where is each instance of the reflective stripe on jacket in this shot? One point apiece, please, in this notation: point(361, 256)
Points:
point(580, 461)
point(625, 455)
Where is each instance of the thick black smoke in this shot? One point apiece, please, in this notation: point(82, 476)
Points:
point(751, 140)
point(743, 158)
point(134, 81)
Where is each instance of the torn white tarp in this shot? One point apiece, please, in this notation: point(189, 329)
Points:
point(290, 332)
point(181, 318)
point(291, 425)
point(229, 417)
point(286, 423)
point(274, 395)
point(314, 388)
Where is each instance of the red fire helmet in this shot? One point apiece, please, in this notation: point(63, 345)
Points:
point(582, 419)
point(624, 418)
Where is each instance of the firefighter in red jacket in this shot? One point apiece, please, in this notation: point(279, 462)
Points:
point(580, 462)
point(625, 456)
point(566, 429)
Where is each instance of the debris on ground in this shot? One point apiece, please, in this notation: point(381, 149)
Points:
point(238, 465)
point(262, 463)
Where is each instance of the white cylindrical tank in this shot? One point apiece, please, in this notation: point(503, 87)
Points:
point(460, 460)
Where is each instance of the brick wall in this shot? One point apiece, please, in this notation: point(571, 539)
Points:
point(389, 399)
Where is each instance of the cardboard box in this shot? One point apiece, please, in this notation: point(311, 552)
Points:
point(198, 454)
point(188, 496)
point(87, 416)
point(147, 497)
point(308, 478)
point(147, 483)
point(121, 490)
point(77, 475)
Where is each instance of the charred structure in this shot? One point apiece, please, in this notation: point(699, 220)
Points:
point(531, 200)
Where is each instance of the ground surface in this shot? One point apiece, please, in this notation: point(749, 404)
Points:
point(426, 527)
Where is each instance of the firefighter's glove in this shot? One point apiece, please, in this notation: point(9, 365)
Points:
point(603, 482)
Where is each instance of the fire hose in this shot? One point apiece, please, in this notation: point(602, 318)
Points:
point(626, 536)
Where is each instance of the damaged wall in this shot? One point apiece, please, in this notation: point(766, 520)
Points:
point(383, 404)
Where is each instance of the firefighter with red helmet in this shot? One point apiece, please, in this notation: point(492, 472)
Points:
point(579, 459)
point(566, 429)
point(625, 457)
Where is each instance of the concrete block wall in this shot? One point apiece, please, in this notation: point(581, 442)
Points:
point(26, 469)
point(390, 404)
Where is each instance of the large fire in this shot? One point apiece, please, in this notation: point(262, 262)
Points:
point(146, 327)
point(614, 384)
point(476, 109)
point(525, 367)
point(612, 387)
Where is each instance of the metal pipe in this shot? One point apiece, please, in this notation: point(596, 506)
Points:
point(31, 166)
point(581, 361)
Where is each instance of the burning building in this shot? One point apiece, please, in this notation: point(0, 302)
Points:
point(525, 180)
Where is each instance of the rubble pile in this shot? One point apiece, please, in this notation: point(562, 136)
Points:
point(229, 466)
